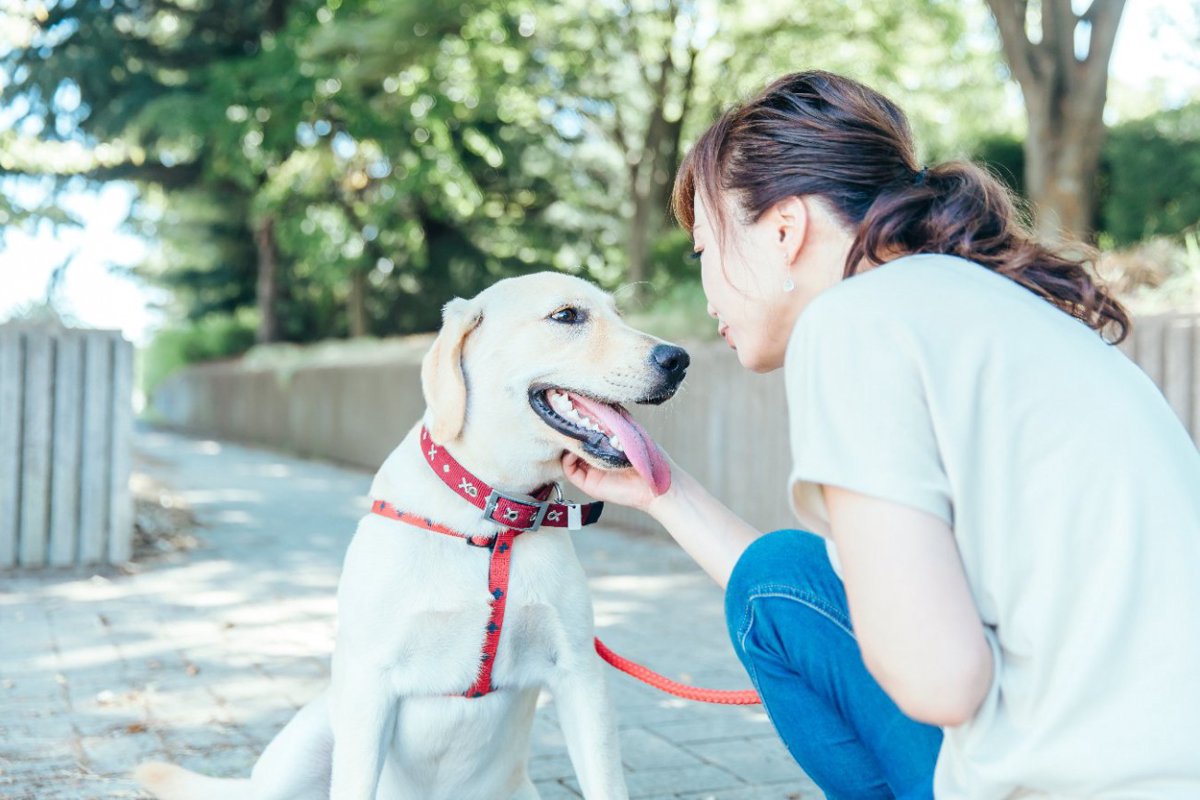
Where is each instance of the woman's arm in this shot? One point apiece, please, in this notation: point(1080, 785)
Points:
point(703, 526)
point(911, 607)
point(708, 531)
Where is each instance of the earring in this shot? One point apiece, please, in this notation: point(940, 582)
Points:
point(789, 284)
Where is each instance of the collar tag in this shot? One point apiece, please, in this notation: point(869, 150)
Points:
point(574, 517)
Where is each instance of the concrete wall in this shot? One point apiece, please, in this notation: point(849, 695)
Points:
point(352, 413)
point(727, 426)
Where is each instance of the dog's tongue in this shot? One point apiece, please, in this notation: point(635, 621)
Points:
point(639, 448)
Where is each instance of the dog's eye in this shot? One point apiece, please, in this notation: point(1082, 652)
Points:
point(567, 316)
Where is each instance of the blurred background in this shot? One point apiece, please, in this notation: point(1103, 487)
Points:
point(212, 176)
point(272, 199)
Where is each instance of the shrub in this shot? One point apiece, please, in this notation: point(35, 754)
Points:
point(211, 337)
point(1152, 176)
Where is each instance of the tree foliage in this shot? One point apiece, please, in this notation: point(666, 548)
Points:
point(343, 168)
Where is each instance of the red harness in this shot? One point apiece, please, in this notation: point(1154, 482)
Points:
point(518, 515)
point(521, 515)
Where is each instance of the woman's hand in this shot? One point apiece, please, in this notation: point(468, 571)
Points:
point(624, 487)
point(710, 533)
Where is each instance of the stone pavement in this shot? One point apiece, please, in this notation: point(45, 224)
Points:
point(200, 657)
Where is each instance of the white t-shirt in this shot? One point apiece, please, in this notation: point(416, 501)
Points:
point(1074, 494)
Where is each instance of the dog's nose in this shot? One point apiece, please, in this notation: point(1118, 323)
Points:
point(670, 359)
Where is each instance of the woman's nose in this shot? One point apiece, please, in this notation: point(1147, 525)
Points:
point(712, 312)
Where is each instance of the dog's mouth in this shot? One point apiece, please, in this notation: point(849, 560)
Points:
point(608, 433)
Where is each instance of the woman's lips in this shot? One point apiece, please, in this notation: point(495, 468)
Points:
point(724, 333)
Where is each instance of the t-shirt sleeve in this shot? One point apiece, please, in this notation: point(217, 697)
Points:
point(859, 412)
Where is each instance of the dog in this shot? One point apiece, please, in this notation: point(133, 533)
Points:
point(530, 368)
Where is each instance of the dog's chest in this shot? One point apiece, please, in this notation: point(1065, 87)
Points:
point(443, 605)
point(546, 611)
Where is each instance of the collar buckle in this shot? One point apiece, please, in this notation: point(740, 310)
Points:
point(493, 500)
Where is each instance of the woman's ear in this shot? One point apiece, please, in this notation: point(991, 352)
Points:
point(442, 378)
point(791, 222)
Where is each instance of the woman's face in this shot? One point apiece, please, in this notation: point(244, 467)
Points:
point(744, 280)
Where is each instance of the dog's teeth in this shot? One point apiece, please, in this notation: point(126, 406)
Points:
point(560, 401)
point(615, 441)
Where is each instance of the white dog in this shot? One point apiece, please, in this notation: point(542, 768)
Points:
point(530, 368)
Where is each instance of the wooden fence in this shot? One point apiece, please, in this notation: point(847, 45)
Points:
point(1167, 348)
point(728, 427)
point(66, 420)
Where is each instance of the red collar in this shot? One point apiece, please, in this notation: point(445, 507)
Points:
point(522, 512)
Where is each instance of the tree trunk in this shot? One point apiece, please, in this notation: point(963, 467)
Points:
point(358, 303)
point(1065, 92)
point(1062, 159)
point(268, 281)
point(652, 175)
point(640, 233)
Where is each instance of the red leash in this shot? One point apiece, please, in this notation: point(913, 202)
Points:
point(649, 676)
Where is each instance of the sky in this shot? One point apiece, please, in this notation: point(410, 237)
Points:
point(94, 292)
point(1155, 61)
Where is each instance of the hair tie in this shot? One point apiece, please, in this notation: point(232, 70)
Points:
point(919, 177)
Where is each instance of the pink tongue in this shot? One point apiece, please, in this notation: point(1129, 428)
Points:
point(639, 448)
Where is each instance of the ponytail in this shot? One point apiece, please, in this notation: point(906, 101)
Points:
point(820, 134)
point(960, 209)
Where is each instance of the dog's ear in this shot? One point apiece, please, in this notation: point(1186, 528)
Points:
point(442, 377)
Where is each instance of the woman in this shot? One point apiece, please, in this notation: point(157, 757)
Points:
point(1012, 508)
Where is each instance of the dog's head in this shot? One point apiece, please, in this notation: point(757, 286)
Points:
point(544, 363)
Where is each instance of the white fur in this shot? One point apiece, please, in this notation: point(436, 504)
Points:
point(413, 604)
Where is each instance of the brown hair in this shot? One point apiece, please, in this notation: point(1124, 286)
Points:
point(816, 133)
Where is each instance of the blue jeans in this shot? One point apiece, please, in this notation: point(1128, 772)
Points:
point(787, 615)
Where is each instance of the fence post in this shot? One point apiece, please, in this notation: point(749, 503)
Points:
point(120, 509)
point(10, 444)
point(68, 412)
point(66, 421)
point(35, 452)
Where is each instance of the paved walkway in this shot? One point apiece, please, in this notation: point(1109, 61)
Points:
point(201, 656)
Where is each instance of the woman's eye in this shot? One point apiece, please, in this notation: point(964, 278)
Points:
point(567, 316)
point(695, 256)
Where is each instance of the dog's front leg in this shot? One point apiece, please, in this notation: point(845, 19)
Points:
point(364, 722)
point(589, 727)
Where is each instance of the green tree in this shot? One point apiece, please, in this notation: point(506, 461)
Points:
point(344, 168)
point(149, 88)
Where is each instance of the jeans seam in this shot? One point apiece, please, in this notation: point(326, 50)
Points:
point(753, 673)
point(789, 593)
point(744, 631)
